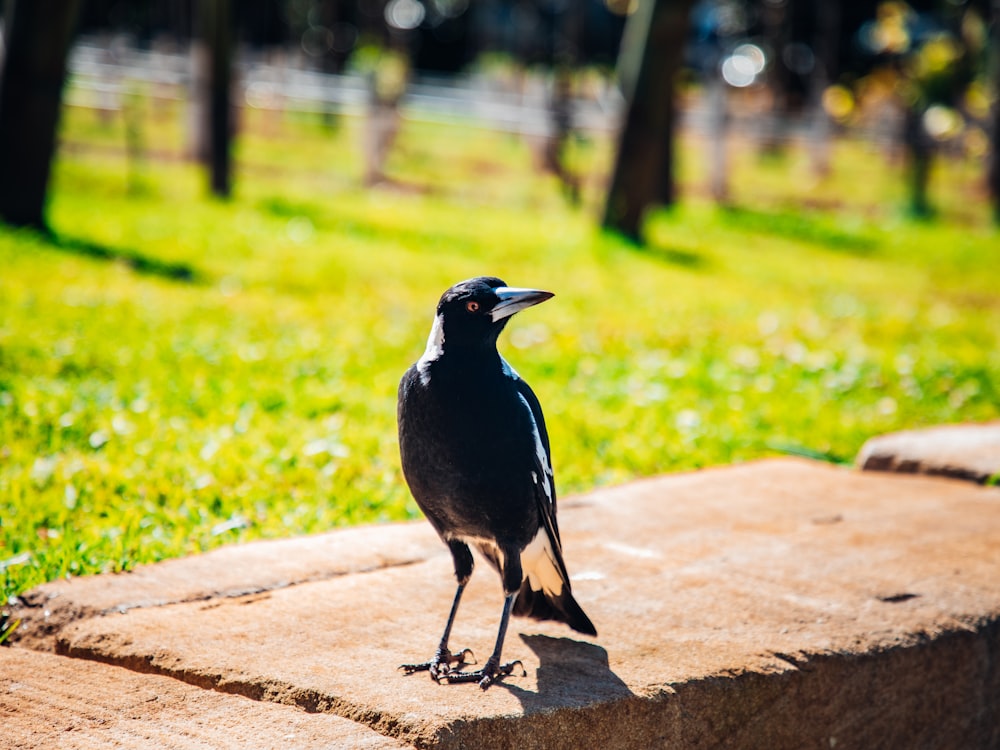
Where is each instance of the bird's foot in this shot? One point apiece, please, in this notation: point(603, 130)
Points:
point(491, 672)
point(441, 666)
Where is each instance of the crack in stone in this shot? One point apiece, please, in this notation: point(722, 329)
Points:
point(38, 626)
point(266, 691)
point(236, 593)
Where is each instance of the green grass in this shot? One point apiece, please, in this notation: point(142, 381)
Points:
point(145, 416)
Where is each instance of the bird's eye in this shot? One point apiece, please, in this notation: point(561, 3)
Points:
point(472, 306)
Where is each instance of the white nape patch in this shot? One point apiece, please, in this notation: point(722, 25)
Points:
point(509, 371)
point(539, 566)
point(543, 458)
point(627, 549)
point(434, 350)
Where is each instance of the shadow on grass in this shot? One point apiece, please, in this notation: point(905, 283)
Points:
point(132, 259)
point(676, 257)
point(798, 226)
point(673, 255)
point(286, 209)
point(804, 451)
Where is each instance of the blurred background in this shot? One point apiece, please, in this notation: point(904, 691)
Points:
point(916, 81)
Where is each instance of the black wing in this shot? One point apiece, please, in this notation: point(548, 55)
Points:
point(544, 604)
point(545, 485)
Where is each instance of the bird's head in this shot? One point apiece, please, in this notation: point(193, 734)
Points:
point(473, 312)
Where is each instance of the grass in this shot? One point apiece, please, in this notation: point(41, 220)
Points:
point(178, 373)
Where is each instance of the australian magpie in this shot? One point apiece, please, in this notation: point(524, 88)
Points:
point(475, 453)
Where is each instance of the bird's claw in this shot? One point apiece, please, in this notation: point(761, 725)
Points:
point(441, 665)
point(490, 673)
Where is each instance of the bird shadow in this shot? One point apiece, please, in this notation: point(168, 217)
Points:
point(570, 673)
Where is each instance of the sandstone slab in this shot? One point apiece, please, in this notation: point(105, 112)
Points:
point(49, 701)
point(965, 451)
point(783, 603)
point(238, 570)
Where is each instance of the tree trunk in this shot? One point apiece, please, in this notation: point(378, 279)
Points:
point(717, 112)
point(37, 38)
point(993, 176)
point(652, 51)
point(566, 38)
point(775, 20)
point(919, 154)
point(216, 33)
point(826, 47)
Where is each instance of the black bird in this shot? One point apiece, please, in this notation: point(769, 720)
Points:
point(475, 454)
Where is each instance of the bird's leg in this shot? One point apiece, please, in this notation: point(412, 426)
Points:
point(441, 664)
point(493, 670)
point(511, 574)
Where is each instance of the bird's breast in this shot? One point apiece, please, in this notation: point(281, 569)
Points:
point(467, 455)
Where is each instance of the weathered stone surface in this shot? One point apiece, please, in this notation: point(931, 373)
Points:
point(226, 572)
point(965, 451)
point(49, 701)
point(776, 604)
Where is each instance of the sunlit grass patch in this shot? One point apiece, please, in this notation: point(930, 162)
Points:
point(145, 416)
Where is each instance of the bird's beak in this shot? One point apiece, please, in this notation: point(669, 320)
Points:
point(513, 300)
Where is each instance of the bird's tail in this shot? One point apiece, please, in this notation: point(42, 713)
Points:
point(545, 593)
point(544, 605)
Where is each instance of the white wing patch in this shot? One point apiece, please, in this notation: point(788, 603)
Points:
point(543, 458)
point(434, 350)
point(538, 564)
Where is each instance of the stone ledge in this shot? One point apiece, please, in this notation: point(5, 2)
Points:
point(49, 701)
point(239, 570)
point(965, 451)
point(782, 603)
